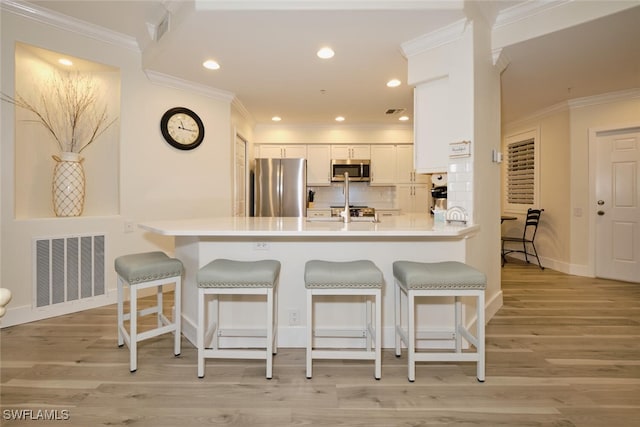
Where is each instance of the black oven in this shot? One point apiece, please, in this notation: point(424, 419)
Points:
point(358, 170)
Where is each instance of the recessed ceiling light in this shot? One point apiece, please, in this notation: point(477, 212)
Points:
point(339, 119)
point(65, 61)
point(394, 83)
point(325, 53)
point(276, 118)
point(211, 64)
point(403, 118)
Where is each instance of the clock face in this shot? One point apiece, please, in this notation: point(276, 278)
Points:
point(182, 128)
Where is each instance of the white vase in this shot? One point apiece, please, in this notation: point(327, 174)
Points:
point(68, 185)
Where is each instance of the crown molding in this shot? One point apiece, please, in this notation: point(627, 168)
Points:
point(67, 23)
point(242, 110)
point(604, 98)
point(525, 10)
point(500, 59)
point(177, 83)
point(442, 36)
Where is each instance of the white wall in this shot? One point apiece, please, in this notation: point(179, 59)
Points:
point(156, 180)
point(565, 240)
point(553, 238)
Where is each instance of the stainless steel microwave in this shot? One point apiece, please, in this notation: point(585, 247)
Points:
point(359, 170)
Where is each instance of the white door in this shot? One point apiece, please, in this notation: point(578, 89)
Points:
point(240, 181)
point(617, 200)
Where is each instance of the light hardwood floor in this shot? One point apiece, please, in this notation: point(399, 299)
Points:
point(560, 352)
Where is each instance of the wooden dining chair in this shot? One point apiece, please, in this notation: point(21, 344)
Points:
point(527, 239)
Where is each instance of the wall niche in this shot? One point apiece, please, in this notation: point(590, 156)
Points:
point(36, 72)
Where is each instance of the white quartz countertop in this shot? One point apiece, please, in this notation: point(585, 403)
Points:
point(413, 225)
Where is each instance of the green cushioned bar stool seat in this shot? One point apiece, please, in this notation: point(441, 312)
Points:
point(439, 279)
point(141, 271)
point(232, 277)
point(338, 279)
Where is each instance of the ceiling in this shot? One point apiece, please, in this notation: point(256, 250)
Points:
point(268, 55)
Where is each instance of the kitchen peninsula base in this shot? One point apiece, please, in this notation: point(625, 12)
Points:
point(294, 241)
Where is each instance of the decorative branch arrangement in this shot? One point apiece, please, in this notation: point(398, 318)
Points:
point(68, 108)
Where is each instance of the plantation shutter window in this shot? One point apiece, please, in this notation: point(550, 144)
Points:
point(521, 172)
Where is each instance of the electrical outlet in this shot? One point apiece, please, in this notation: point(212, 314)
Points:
point(294, 317)
point(261, 246)
point(129, 226)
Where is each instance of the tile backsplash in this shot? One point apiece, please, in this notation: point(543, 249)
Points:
point(460, 185)
point(360, 193)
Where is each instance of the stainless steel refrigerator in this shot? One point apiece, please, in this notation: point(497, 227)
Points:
point(280, 187)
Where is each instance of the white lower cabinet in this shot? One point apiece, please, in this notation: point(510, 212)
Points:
point(318, 213)
point(413, 198)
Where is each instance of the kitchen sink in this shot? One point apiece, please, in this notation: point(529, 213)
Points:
point(339, 219)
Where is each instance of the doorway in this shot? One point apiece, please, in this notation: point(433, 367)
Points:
point(240, 177)
point(615, 206)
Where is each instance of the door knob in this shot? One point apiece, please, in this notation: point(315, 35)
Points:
point(600, 213)
point(600, 202)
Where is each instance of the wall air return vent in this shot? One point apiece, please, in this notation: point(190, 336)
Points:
point(68, 268)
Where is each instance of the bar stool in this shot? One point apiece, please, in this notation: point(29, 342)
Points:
point(142, 271)
point(228, 277)
point(349, 278)
point(440, 279)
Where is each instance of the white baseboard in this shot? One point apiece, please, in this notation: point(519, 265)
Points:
point(27, 313)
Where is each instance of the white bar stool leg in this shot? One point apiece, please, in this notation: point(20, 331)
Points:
point(411, 336)
point(120, 312)
point(458, 324)
point(159, 304)
point(215, 320)
point(201, 331)
point(398, 319)
point(269, 349)
point(378, 339)
point(368, 323)
point(275, 323)
point(177, 316)
point(309, 331)
point(481, 337)
point(133, 328)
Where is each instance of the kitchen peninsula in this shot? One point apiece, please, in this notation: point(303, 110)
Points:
point(293, 241)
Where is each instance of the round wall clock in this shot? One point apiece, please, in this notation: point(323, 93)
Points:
point(182, 128)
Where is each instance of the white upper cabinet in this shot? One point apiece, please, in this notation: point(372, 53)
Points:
point(319, 164)
point(268, 151)
point(360, 152)
point(432, 125)
point(405, 171)
point(383, 165)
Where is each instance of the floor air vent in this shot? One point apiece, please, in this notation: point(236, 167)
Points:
point(68, 268)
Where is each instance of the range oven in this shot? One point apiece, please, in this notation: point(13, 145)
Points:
point(359, 170)
point(354, 211)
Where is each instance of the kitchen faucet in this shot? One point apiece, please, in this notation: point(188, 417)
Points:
point(346, 213)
